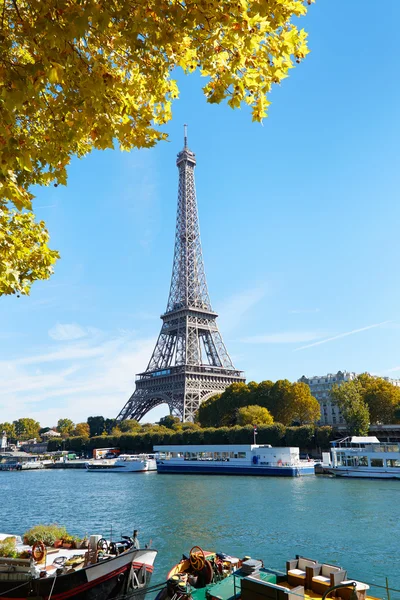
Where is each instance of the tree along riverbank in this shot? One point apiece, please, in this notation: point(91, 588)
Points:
point(306, 437)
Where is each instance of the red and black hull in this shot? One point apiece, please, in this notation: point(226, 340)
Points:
point(112, 578)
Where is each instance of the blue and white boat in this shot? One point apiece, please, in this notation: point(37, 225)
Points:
point(229, 459)
point(367, 457)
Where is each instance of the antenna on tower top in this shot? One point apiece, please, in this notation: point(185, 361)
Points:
point(185, 134)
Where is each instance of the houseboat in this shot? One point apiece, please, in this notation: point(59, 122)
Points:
point(105, 570)
point(242, 459)
point(365, 457)
point(125, 463)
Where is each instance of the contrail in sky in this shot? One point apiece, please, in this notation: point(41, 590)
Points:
point(341, 335)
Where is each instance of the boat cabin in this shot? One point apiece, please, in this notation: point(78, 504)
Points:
point(365, 451)
point(252, 454)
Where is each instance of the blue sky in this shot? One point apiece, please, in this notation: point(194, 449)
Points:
point(299, 222)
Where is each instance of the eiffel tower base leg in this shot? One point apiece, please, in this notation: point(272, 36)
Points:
point(143, 401)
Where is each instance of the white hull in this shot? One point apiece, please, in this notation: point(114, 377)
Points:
point(28, 466)
point(365, 473)
point(122, 466)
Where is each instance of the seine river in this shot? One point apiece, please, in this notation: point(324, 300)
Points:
point(354, 523)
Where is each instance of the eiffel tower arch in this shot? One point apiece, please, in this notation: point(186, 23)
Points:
point(190, 362)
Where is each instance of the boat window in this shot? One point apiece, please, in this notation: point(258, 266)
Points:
point(376, 462)
point(393, 462)
point(362, 461)
point(241, 454)
point(340, 458)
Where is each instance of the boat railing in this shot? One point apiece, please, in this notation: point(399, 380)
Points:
point(368, 448)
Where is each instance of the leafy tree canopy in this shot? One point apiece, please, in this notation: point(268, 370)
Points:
point(65, 427)
point(349, 398)
point(109, 425)
point(82, 430)
point(96, 425)
point(77, 75)
point(381, 397)
point(287, 403)
point(254, 415)
point(373, 395)
point(127, 426)
point(9, 428)
point(26, 429)
point(305, 408)
point(169, 421)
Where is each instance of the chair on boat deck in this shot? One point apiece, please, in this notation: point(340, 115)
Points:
point(301, 571)
point(347, 593)
point(253, 588)
point(326, 576)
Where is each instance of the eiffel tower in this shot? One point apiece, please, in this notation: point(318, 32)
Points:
point(190, 362)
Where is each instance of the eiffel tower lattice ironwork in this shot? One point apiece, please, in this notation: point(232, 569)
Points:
point(190, 362)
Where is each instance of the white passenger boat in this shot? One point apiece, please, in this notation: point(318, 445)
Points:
point(365, 457)
point(125, 463)
point(229, 459)
point(31, 464)
point(16, 465)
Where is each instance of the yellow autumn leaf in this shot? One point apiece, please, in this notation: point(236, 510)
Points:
point(88, 76)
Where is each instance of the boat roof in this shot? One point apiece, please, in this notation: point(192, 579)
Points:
point(194, 448)
point(355, 439)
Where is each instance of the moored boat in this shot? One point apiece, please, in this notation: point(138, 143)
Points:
point(105, 570)
point(365, 457)
point(125, 463)
point(217, 576)
point(231, 459)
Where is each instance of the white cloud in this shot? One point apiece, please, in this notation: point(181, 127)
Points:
point(341, 335)
point(77, 381)
point(283, 337)
point(68, 331)
point(71, 352)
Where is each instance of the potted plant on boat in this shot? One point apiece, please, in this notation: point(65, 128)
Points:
point(68, 541)
point(8, 547)
point(48, 534)
point(83, 543)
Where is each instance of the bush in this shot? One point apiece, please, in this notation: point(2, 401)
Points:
point(271, 434)
point(305, 436)
point(47, 534)
point(302, 437)
point(323, 436)
point(8, 547)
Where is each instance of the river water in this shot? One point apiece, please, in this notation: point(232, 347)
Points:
point(353, 523)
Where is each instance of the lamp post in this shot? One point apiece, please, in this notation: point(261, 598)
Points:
point(254, 433)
